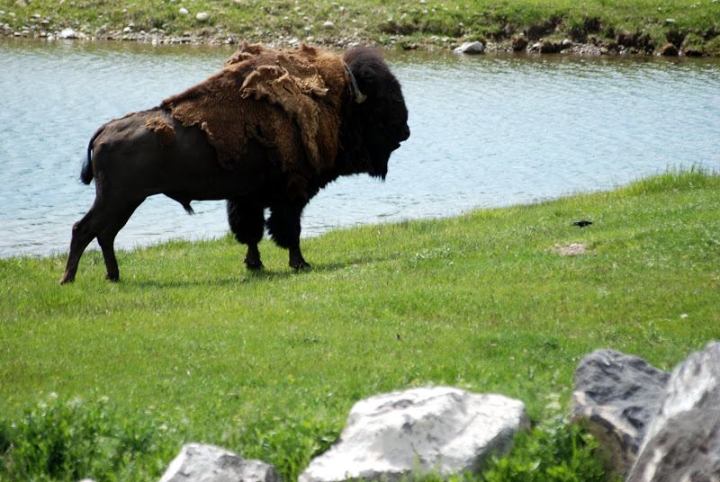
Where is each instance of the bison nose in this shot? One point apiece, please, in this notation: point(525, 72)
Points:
point(405, 133)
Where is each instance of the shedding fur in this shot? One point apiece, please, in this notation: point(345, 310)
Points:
point(288, 100)
point(160, 126)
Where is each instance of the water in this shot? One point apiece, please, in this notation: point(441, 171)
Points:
point(488, 131)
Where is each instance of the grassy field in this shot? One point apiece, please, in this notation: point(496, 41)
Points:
point(406, 22)
point(196, 348)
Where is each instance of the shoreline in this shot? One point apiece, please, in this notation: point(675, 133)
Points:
point(519, 45)
point(594, 28)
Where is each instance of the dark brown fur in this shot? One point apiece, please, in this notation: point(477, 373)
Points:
point(298, 130)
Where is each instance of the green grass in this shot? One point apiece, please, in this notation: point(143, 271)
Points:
point(269, 364)
point(384, 22)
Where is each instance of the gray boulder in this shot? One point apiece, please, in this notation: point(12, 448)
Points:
point(683, 441)
point(470, 48)
point(616, 396)
point(207, 463)
point(440, 430)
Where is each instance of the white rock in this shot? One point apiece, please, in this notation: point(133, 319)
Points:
point(470, 48)
point(327, 24)
point(202, 16)
point(207, 463)
point(68, 33)
point(424, 430)
point(183, 11)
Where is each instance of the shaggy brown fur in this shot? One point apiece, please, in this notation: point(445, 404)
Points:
point(274, 97)
point(162, 128)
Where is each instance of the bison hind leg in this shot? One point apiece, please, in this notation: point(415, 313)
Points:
point(103, 220)
point(83, 232)
point(247, 222)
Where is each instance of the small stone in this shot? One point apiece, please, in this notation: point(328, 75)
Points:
point(519, 43)
point(669, 21)
point(202, 17)
point(549, 47)
point(693, 52)
point(566, 43)
point(669, 50)
point(327, 24)
point(470, 48)
point(68, 33)
point(183, 11)
point(128, 29)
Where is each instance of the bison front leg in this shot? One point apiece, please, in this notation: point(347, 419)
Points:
point(247, 222)
point(284, 227)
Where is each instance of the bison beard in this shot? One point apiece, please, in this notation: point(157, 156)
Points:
point(268, 131)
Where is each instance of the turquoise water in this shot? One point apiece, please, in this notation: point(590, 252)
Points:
point(486, 131)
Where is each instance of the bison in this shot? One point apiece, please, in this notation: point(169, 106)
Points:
point(268, 131)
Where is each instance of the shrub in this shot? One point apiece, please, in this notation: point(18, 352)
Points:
point(71, 440)
point(551, 452)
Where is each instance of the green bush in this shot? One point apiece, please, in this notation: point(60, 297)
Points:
point(288, 442)
point(71, 440)
point(712, 47)
point(551, 452)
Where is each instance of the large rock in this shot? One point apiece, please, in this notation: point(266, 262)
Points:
point(207, 463)
point(615, 397)
point(424, 430)
point(683, 441)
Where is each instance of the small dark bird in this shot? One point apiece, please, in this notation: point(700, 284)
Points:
point(582, 223)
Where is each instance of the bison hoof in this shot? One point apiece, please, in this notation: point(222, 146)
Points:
point(67, 278)
point(113, 278)
point(301, 265)
point(254, 265)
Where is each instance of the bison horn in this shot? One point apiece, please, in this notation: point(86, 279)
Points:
point(354, 89)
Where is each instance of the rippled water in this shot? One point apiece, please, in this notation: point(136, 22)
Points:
point(486, 131)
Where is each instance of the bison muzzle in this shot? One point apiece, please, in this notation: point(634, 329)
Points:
point(267, 132)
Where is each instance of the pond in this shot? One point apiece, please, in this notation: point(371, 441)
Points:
point(486, 131)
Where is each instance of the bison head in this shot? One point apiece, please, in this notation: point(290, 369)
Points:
point(376, 121)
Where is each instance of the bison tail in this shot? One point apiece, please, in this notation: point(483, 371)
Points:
point(86, 173)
